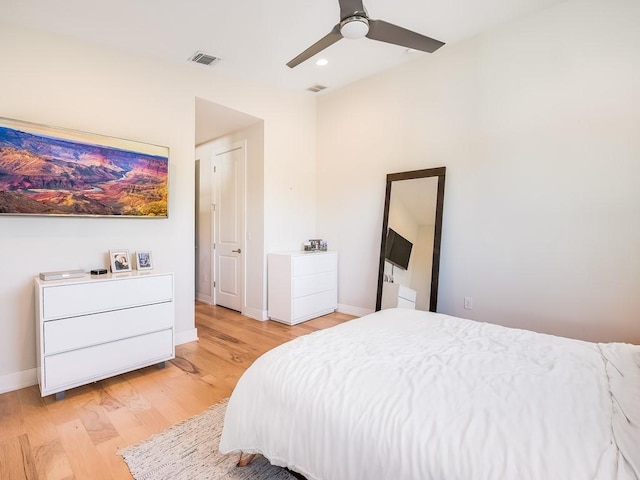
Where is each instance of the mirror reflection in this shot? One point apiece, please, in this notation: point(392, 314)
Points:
point(410, 249)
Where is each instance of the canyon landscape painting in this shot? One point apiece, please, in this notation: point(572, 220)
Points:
point(53, 171)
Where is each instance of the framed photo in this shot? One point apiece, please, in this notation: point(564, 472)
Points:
point(119, 261)
point(316, 245)
point(55, 171)
point(143, 261)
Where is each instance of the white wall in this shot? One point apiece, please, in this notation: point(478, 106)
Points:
point(55, 81)
point(423, 260)
point(537, 125)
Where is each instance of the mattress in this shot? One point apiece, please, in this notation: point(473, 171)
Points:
point(405, 394)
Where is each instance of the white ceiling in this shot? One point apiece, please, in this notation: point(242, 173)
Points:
point(256, 38)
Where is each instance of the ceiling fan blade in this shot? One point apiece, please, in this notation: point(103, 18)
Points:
point(349, 7)
point(389, 33)
point(332, 37)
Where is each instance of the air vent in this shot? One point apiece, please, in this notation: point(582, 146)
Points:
point(316, 88)
point(204, 59)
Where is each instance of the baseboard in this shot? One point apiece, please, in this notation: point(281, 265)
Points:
point(186, 337)
point(201, 297)
point(256, 314)
point(18, 380)
point(351, 310)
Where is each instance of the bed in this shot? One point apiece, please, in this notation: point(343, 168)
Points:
point(405, 394)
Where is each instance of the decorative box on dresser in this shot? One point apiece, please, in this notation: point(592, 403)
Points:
point(302, 285)
point(92, 327)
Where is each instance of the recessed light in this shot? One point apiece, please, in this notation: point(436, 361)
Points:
point(409, 51)
point(322, 62)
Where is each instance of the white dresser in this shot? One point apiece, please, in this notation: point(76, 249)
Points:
point(302, 285)
point(92, 328)
point(397, 295)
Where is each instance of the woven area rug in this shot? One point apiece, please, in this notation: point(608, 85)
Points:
point(189, 451)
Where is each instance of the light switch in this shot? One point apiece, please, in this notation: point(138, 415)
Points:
point(468, 303)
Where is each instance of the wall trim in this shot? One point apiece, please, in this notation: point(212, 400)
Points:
point(256, 314)
point(201, 297)
point(352, 310)
point(186, 337)
point(18, 380)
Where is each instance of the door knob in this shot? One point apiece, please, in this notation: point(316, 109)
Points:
point(237, 251)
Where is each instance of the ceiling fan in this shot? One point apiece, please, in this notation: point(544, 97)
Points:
point(355, 23)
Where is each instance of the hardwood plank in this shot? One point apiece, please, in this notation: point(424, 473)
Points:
point(96, 422)
point(65, 411)
point(35, 419)
point(11, 421)
point(79, 437)
point(130, 428)
point(51, 461)
point(194, 394)
point(16, 459)
point(157, 394)
point(116, 467)
point(49, 457)
point(126, 393)
point(85, 460)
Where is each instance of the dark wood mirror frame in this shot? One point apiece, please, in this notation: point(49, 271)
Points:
point(435, 269)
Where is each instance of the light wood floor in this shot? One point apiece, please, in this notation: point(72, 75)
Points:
point(78, 437)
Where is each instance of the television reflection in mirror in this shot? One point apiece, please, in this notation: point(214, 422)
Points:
point(398, 250)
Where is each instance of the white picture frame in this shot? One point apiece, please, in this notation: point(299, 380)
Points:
point(143, 260)
point(120, 261)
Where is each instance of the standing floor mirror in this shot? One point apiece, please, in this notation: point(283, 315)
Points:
point(411, 237)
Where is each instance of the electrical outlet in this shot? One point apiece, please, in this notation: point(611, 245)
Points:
point(468, 303)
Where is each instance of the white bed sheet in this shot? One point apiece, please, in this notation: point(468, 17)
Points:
point(404, 394)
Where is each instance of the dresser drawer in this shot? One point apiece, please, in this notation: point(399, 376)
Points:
point(314, 305)
point(407, 293)
point(310, 284)
point(70, 369)
point(404, 303)
point(77, 332)
point(98, 296)
point(314, 263)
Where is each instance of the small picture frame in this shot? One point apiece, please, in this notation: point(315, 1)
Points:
point(316, 245)
point(119, 260)
point(143, 261)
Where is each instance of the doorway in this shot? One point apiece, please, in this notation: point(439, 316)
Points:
point(228, 181)
point(218, 129)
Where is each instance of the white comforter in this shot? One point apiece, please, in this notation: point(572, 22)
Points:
point(403, 394)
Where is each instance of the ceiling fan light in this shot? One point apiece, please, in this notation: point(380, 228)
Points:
point(354, 27)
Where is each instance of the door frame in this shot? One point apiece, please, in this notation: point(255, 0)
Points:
point(235, 145)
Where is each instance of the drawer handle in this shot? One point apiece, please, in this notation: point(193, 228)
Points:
point(237, 251)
